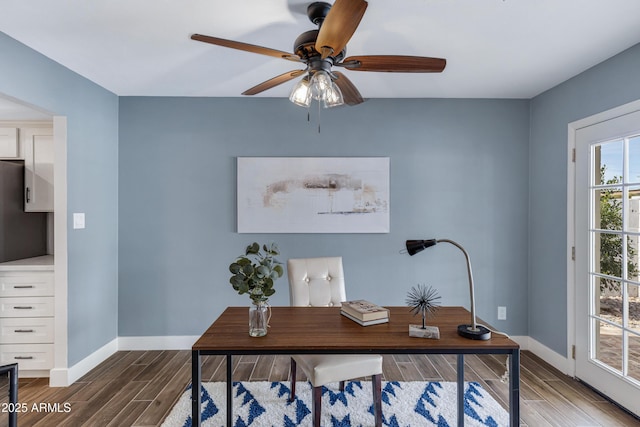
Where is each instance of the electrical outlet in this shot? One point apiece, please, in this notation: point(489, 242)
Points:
point(502, 313)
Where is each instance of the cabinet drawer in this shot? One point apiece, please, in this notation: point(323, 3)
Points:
point(26, 307)
point(26, 330)
point(26, 284)
point(28, 356)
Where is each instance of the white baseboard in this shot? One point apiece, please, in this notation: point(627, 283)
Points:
point(559, 362)
point(177, 342)
point(523, 341)
point(62, 377)
point(65, 377)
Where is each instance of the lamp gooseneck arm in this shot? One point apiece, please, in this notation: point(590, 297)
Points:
point(471, 287)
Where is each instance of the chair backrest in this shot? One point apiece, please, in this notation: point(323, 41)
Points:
point(316, 282)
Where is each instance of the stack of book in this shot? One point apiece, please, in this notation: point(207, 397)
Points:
point(364, 312)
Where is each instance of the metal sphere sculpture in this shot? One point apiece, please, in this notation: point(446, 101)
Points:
point(425, 300)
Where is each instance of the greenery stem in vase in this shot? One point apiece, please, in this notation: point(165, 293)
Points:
point(255, 273)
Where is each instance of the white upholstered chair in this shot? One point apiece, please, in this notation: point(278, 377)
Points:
point(318, 282)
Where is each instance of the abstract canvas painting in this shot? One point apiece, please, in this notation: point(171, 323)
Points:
point(313, 194)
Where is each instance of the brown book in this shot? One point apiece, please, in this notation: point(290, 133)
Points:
point(364, 310)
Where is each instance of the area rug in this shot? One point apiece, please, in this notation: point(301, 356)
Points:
point(404, 404)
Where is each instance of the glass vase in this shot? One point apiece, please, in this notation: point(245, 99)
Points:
point(258, 319)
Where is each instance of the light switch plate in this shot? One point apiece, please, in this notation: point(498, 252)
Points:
point(78, 220)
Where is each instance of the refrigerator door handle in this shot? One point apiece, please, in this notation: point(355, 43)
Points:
point(28, 199)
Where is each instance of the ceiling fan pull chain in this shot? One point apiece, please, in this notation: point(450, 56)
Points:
point(319, 109)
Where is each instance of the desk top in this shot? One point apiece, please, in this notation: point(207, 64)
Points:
point(315, 330)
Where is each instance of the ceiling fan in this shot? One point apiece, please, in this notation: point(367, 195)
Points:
point(322, 49)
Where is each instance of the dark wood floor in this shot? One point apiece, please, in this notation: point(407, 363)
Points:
point(138, 388)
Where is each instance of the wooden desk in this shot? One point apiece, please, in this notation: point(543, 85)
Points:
point(322, 330)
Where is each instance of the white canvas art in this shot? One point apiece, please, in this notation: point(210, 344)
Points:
point(313, 194)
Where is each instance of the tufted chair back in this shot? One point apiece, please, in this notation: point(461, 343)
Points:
point(316, 282)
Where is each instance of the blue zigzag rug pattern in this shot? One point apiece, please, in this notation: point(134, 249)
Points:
point(404, 404)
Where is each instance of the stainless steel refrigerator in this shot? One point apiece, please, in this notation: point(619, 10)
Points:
point(22, 234)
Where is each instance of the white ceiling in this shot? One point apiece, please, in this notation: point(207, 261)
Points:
point(494, 48)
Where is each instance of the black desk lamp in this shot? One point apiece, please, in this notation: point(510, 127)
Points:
point(472, 331)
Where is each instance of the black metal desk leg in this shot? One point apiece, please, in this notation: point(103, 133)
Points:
point(229, 391)
point(12, 372)
point(195, 388)
point(514, 388)
point(461, 390)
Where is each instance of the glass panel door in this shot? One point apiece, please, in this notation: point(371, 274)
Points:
point(607, 268)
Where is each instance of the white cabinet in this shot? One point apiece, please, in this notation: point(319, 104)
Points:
point(38, 162)
point(27, 319)
point(9, 146)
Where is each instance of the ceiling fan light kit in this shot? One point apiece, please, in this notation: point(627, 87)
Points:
point(324, 48)
point(301, 93)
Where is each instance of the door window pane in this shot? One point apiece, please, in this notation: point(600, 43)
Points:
point(634, 160)
point(608, 209)
point(633, 268)
point(633, 307)
point(608, 344)
point(608, 161)
point(609, 299)
point(633, 208)
point(608, 259)
point(634, 356)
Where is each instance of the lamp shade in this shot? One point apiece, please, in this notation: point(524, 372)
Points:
point(320, 83)
point(415, 246)
point(301, 93)
point(333, 97)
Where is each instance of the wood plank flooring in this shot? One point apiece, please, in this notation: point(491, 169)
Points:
point(138, 388)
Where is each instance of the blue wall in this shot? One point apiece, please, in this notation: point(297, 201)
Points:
point(92, 174)
point(459, 170)
point(610, 84)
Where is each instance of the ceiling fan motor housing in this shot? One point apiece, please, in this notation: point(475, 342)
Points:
point(304, 47)
point(317, 11)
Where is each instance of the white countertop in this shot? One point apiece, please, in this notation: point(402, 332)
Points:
point(40, 263)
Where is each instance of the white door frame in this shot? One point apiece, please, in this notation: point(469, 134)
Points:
point(571, 209)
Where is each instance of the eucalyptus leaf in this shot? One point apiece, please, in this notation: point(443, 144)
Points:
point(253, 249)
point(256, 271)
point(262, 271)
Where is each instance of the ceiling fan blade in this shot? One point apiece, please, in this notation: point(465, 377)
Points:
point(282, 78)
point(394, 64)
point(350, 93)
point(246, 47)
point(339, 25)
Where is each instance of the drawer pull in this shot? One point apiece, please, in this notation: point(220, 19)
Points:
point(23, 357)
point(23, 287)
point(20, 331)
point(23, 307)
